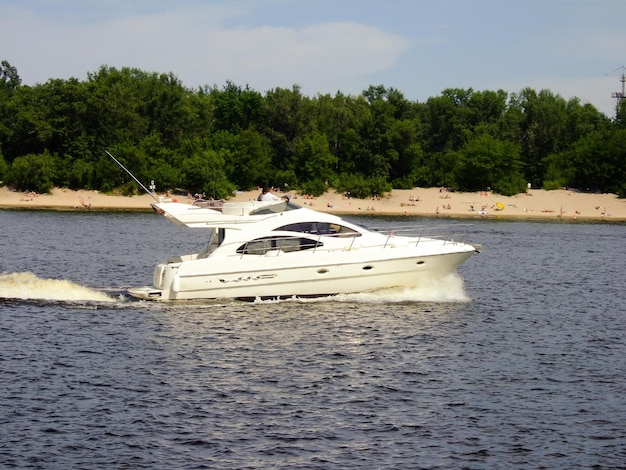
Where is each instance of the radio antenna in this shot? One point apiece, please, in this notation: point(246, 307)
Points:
point(132, 176)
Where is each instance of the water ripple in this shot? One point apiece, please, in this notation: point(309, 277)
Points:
point(529, 373)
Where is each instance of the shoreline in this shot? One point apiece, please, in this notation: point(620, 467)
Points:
point(536, 204)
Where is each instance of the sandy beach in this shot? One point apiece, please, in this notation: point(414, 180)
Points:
point(429, 202)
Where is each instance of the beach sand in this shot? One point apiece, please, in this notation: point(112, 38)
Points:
point(429, 202)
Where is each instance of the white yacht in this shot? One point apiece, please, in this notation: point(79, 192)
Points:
point(275, 249)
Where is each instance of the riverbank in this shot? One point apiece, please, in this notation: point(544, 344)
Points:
point(428, 202)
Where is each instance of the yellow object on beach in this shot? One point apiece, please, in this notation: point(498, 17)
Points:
point(499, 205)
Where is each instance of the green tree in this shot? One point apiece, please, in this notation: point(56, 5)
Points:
point(331, 118)
point(350, 141)
point(485, 162)
point(248, 161)
point(449, 120)
point(543, 130)
point(203, 170)
point(81, 175)
point(404, 138)
point(34, 172)
point(361, 187)
point(117, 108)
point(157, 161)
point(4, 168)
point(236, 109)
point(161, 130)
point(386, 108)
point(288, 119)
point(316, 159)
point(600, 162)
point(9, 79)
point(9, 82)
point(560, 170)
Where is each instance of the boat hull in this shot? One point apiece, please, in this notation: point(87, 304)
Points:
point(262, 278)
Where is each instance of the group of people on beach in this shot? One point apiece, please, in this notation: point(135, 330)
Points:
point(29, 196)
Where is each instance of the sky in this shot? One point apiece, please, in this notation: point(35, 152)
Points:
point(574, 48)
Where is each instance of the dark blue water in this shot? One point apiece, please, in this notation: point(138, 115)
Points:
point(521, 364)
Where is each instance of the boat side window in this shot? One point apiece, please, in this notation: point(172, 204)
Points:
point(320, 228)
point(343, 231)
point(260, 246)
point(300, 227)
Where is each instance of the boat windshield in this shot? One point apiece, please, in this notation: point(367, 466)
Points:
point(213, 242)
point(282, 206)
point(320, 228)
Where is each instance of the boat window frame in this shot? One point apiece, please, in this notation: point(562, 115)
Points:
point(284, 243)
point(327, 229)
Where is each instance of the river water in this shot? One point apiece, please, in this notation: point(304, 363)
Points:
point(519, 362)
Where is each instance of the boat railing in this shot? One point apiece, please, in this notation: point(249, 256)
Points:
point(300, 242)
point(420, 235)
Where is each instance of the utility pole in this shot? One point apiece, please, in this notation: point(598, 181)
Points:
point(619, 95)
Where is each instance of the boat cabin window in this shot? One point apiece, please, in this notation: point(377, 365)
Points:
point(260, 246)
point(320, 228)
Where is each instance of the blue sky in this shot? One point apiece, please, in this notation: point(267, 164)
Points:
point(420, 47)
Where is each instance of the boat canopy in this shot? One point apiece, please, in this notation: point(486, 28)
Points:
point(229, 215)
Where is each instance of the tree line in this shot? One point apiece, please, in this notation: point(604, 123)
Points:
point(215, 140)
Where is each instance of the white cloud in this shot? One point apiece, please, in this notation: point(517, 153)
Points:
point(566, 45)
point(319, 57)
point(322, 57)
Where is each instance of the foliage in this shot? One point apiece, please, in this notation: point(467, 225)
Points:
point(361, 187)
point(215, 140)
point(4, 168)
point(34, 172)
point(600, 162)
point(558, 172)
point(316, 163)
point(9, 78)
point(488, 163)
point(203, 172)
point(314, 187)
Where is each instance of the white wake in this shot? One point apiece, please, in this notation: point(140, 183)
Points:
point(26, 285)
point(446, 289)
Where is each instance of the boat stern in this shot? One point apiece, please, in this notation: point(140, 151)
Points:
point(165, 281)
point(146, 293)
